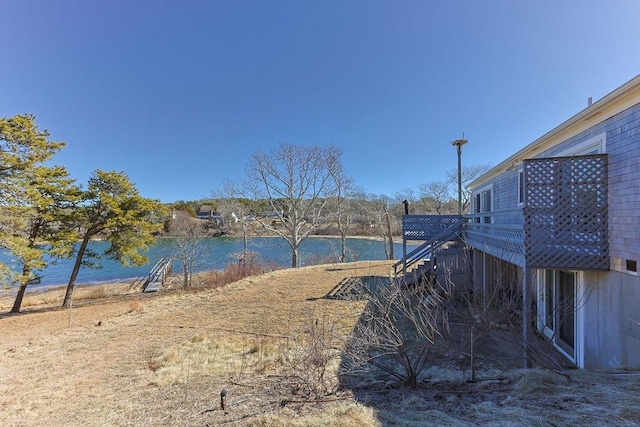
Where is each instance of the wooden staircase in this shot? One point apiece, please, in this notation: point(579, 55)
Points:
point(419, 264)
point(157, 275)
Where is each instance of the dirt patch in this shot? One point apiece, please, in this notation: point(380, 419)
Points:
point(164, 359)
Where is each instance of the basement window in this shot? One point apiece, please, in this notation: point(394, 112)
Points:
point(632, 265)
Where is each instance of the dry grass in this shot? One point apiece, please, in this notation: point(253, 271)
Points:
point(54, 296)
point(162, 360)
point(136, 306)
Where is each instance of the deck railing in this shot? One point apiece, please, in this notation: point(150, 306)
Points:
point(426, 227)
point(563, 222)
point(500, 234)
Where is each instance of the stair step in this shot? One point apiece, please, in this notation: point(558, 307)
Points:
point(153, 286)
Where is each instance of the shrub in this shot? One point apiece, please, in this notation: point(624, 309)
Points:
point(397, 330)
point(244, 266)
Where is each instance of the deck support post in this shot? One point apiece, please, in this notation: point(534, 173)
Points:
point(405, 202)
point(526, 315)
point(404, 255)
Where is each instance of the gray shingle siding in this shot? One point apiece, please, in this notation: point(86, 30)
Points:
point(623, 150)
point(504, 196)
point(607, 333)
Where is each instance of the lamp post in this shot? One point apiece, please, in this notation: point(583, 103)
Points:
point(458, 143)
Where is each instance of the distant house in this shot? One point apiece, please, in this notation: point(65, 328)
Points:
point(273, 217)
point(206, 213)
point(563, 215)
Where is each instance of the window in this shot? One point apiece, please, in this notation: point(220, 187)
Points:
point(565, 316)
point(520, 187)
point(595, 145)
point(482, 204)
point(486, 205)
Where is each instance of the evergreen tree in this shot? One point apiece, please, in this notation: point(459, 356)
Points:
point(113, 210)
point(35, 201)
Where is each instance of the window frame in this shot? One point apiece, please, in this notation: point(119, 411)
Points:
point(594, 145)
point(521, 189)
point(549, 281)
point(480, 208)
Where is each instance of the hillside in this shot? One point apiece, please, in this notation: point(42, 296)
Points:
point(164, 359)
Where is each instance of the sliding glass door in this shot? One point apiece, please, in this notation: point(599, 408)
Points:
point(559, 309)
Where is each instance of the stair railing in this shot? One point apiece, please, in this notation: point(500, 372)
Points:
point(159, 269)
point(425, 249)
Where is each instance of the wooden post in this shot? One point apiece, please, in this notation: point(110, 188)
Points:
point(223, 399)
point(526, 315)
point(485, 284)
point(473, 361)
point(404, 237)
point(404, 255)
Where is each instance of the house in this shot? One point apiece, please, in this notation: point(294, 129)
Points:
point(562, 217)
point(206, 213)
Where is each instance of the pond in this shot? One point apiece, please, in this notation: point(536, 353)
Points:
point(215, 253)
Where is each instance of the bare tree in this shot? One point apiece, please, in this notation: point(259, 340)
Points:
point(343, 211)
point(407, 195)
point(296, 180)
point(439, 193)
point(379, 211)
point(237, 212)
point(187, 235)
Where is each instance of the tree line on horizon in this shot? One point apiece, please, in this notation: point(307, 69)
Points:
point(305, 190)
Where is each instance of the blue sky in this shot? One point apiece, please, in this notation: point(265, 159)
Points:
point(179, 94)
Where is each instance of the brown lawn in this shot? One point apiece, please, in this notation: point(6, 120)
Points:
point(164, 359)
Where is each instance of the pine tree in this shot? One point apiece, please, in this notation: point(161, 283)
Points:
point(35, 201)
point(113, 210)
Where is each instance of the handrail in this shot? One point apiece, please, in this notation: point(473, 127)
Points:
point(157, 270)
point(510, 217)
point(136, 282)
point(497, 213)
point(422, 250)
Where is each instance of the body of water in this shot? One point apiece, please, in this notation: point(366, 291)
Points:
point(215, 253)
